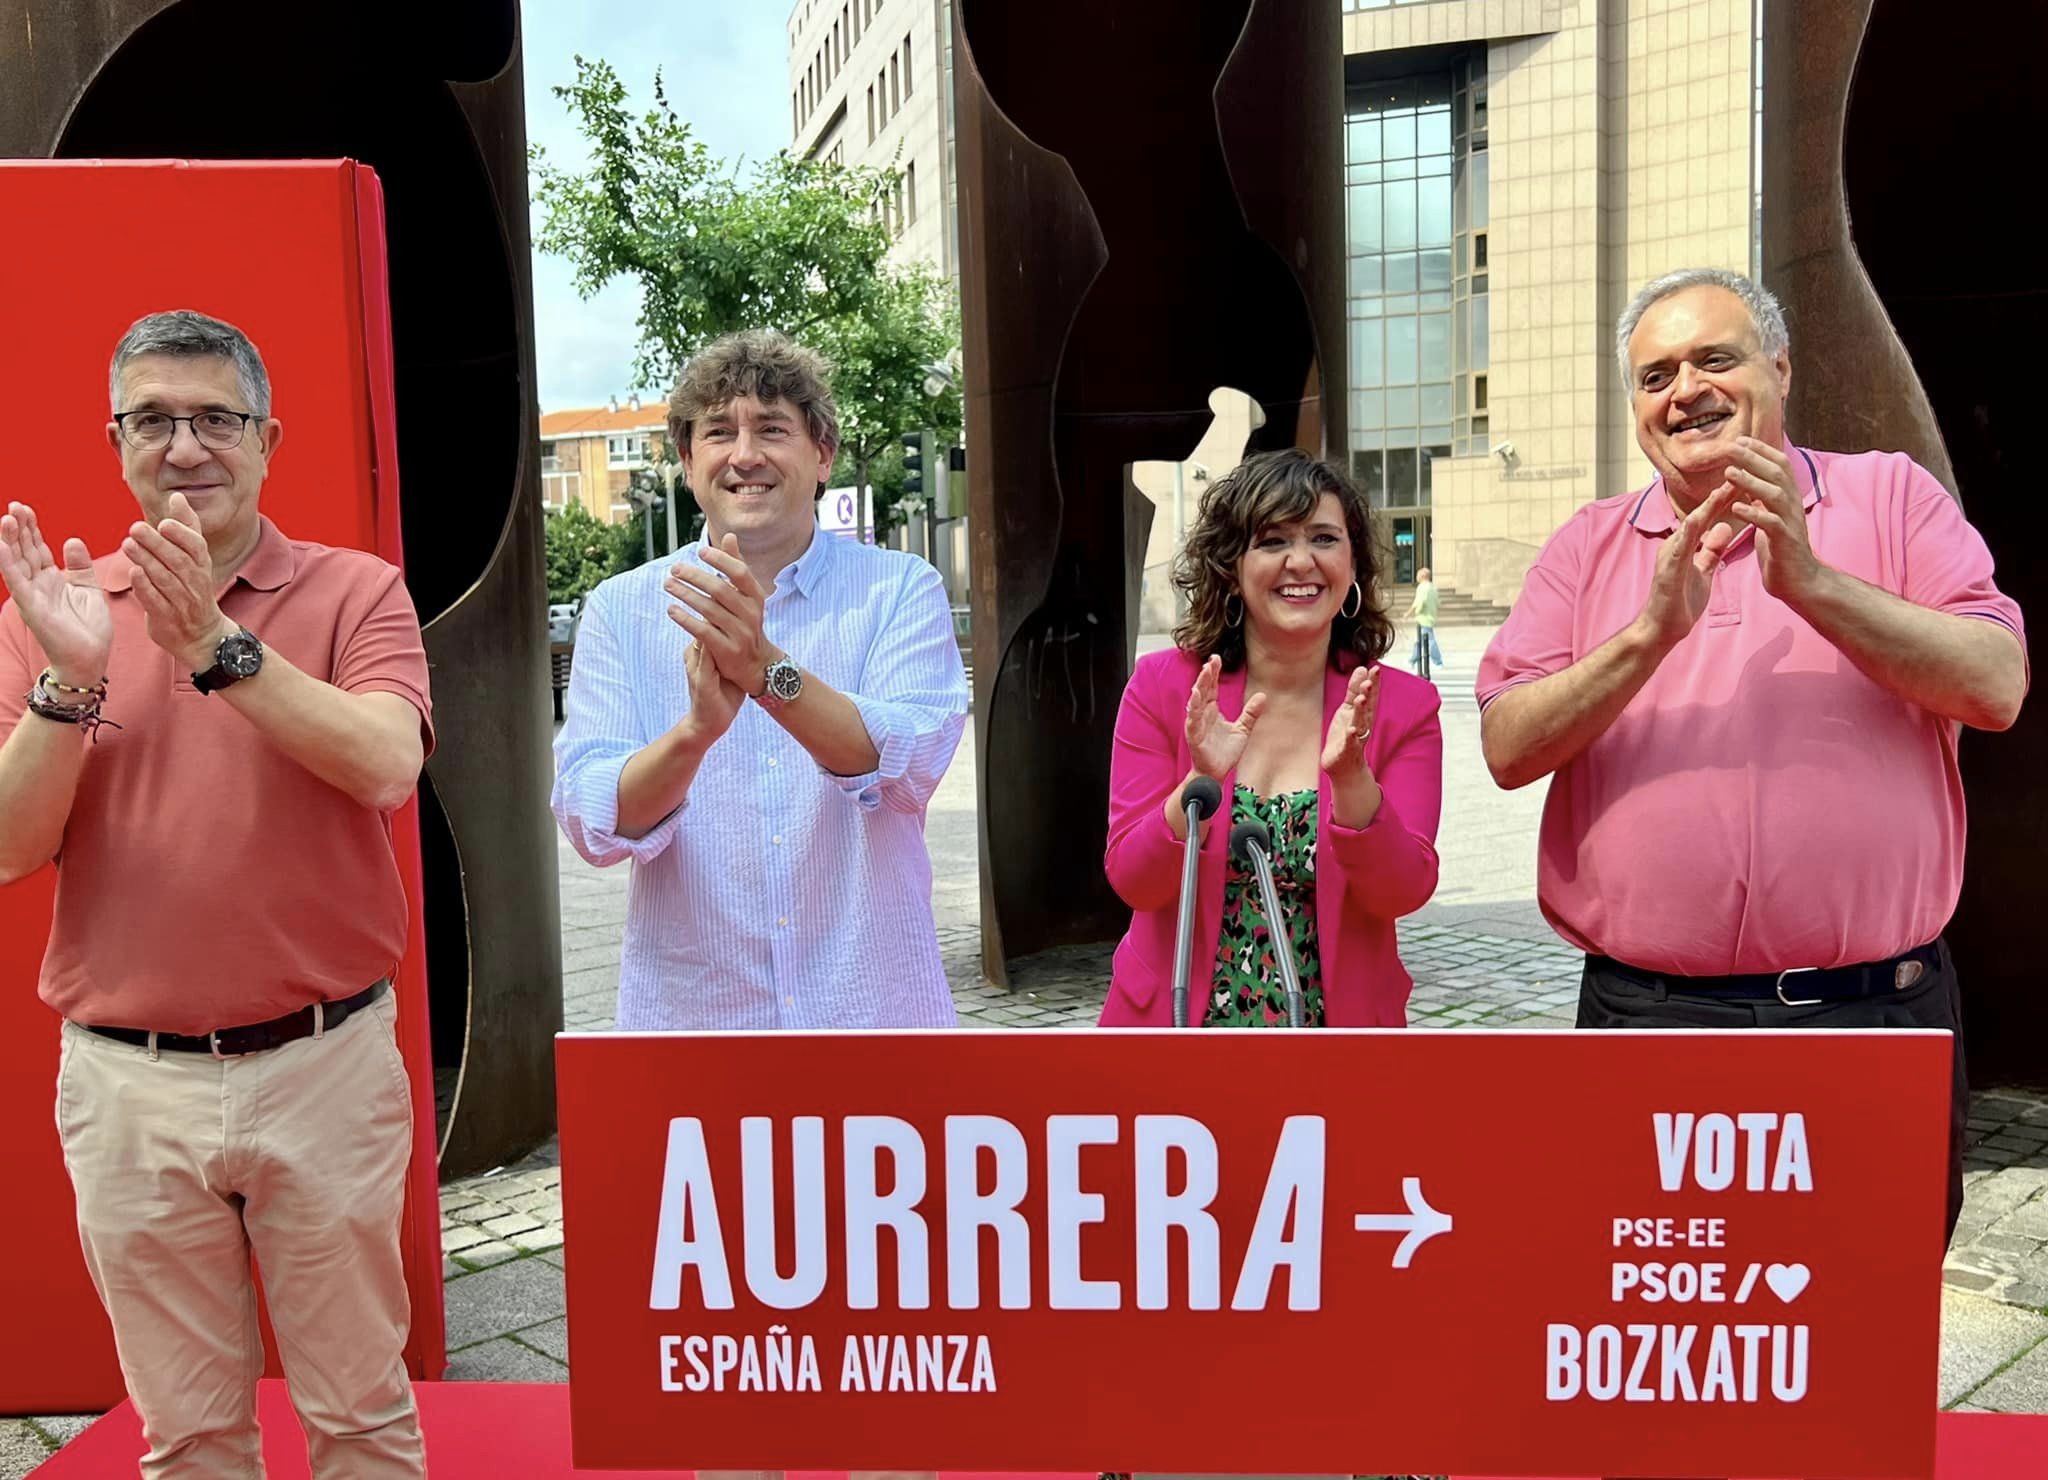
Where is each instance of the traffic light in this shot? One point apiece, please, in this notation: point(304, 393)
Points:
point(913, 464)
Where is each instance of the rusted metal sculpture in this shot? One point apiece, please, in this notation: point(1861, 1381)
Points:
point(1890, 232)
point(1151, 199)
point(431, 97)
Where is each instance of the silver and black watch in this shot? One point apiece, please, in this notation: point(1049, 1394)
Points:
point(784, 681)
point(239, 656)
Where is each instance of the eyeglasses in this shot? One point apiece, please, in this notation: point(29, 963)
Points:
point(152, 431)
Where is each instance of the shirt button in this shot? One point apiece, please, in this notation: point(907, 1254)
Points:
point(777, 840)
point(782, 920)
point(789, 1001)
point(772, 763)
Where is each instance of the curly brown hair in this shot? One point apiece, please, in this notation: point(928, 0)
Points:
point(767, 365)
point(1266, 489)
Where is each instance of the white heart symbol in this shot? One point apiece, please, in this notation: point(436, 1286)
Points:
point(1787, 1280)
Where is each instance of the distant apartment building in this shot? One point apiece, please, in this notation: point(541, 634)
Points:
point(870, 84)
point(1514, 171)
point(589, 455)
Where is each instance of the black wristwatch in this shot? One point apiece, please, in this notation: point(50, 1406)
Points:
point(239, 656)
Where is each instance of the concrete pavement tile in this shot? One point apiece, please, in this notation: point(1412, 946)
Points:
point(1970, 1280)
point(503, 1361)
point(1979, 1336)
point(21, 1449)
point(512, 1223)
point(1992, 1105)
point(483, 1256)
point(2020, 1388)
point(462, 1236)
point(1993, 1196)
point(547, 1236)
point(508, 1298)
point(551, 1337)
point(64, 1427)
point(2028, 1294)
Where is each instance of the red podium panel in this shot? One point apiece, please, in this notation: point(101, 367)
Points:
point(492, 1430)
point(1512, 1253)
point(292, 253)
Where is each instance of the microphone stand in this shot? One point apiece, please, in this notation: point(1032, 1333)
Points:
point(1251, 841)
point(1202, 796)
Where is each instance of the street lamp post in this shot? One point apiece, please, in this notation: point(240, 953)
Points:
point(939, 377)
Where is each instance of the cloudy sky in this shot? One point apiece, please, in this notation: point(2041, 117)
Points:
point(725, 65)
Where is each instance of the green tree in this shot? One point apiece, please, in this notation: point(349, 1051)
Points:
point(883, 360)
point(579, 553)
point(799, 245)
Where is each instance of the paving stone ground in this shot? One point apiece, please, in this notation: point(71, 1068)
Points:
point(1481, 956)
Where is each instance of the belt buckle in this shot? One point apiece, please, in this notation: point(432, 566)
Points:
point(213, 1042)
point(1797, 1001)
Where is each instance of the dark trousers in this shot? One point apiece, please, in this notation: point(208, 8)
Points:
point(1629, 998)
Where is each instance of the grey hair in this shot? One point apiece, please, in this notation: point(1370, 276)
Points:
point(186, 333)
point(1763, 308)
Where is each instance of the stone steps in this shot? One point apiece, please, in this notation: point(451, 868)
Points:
point(1453, 609)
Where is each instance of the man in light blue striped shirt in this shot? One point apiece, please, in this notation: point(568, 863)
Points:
point(758, 724)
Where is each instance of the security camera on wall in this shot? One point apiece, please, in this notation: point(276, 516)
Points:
point(1505, 451)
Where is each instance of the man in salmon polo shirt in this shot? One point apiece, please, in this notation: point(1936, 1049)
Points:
point(1750, 679)
point(219, 723)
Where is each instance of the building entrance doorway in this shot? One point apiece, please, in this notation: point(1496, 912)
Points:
point(1411, 546)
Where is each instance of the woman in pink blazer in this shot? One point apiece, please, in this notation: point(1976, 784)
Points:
point(1274, 689)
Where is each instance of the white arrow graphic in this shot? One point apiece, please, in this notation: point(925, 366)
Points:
point(1420, 1223)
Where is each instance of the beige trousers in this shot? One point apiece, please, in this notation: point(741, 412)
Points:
point(184, 1166)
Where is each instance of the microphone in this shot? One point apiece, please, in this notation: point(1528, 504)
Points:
point(1251, 842)
point(1198, 799)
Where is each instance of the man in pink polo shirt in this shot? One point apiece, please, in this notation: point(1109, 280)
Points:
point(219, 722)
point(1750, 679)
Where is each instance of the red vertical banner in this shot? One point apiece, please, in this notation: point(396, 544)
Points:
point(293, 254)
point(1344, 1251)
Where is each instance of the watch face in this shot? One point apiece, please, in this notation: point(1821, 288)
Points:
point(785, 681)
point(241, 655)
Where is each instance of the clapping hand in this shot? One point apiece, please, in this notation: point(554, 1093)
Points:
point(174, 586)
point(1215, 743)
point(62, 606)
point(1768, 499)
point(1344, 746)
point(1683, 578)
point(723, 609)
point(714, 699)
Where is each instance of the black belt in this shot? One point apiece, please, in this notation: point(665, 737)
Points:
point(1799, 986)
point(229, 1042)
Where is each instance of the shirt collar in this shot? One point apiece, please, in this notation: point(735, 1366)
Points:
point(1653, 515)
point(804, 573)
point(269, 566)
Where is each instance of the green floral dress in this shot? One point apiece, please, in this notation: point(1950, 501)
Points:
point(1247, 991)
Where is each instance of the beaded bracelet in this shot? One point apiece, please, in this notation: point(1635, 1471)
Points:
point(86, 716)
point(49, 681)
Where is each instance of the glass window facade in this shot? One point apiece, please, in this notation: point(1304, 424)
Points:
point(1469, 257)
point(1415, 224)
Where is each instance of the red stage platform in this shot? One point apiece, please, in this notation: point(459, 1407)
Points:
point(491, 1430)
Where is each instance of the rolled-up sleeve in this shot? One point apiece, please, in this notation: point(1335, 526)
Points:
point(912, 698)
point(603, 731)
